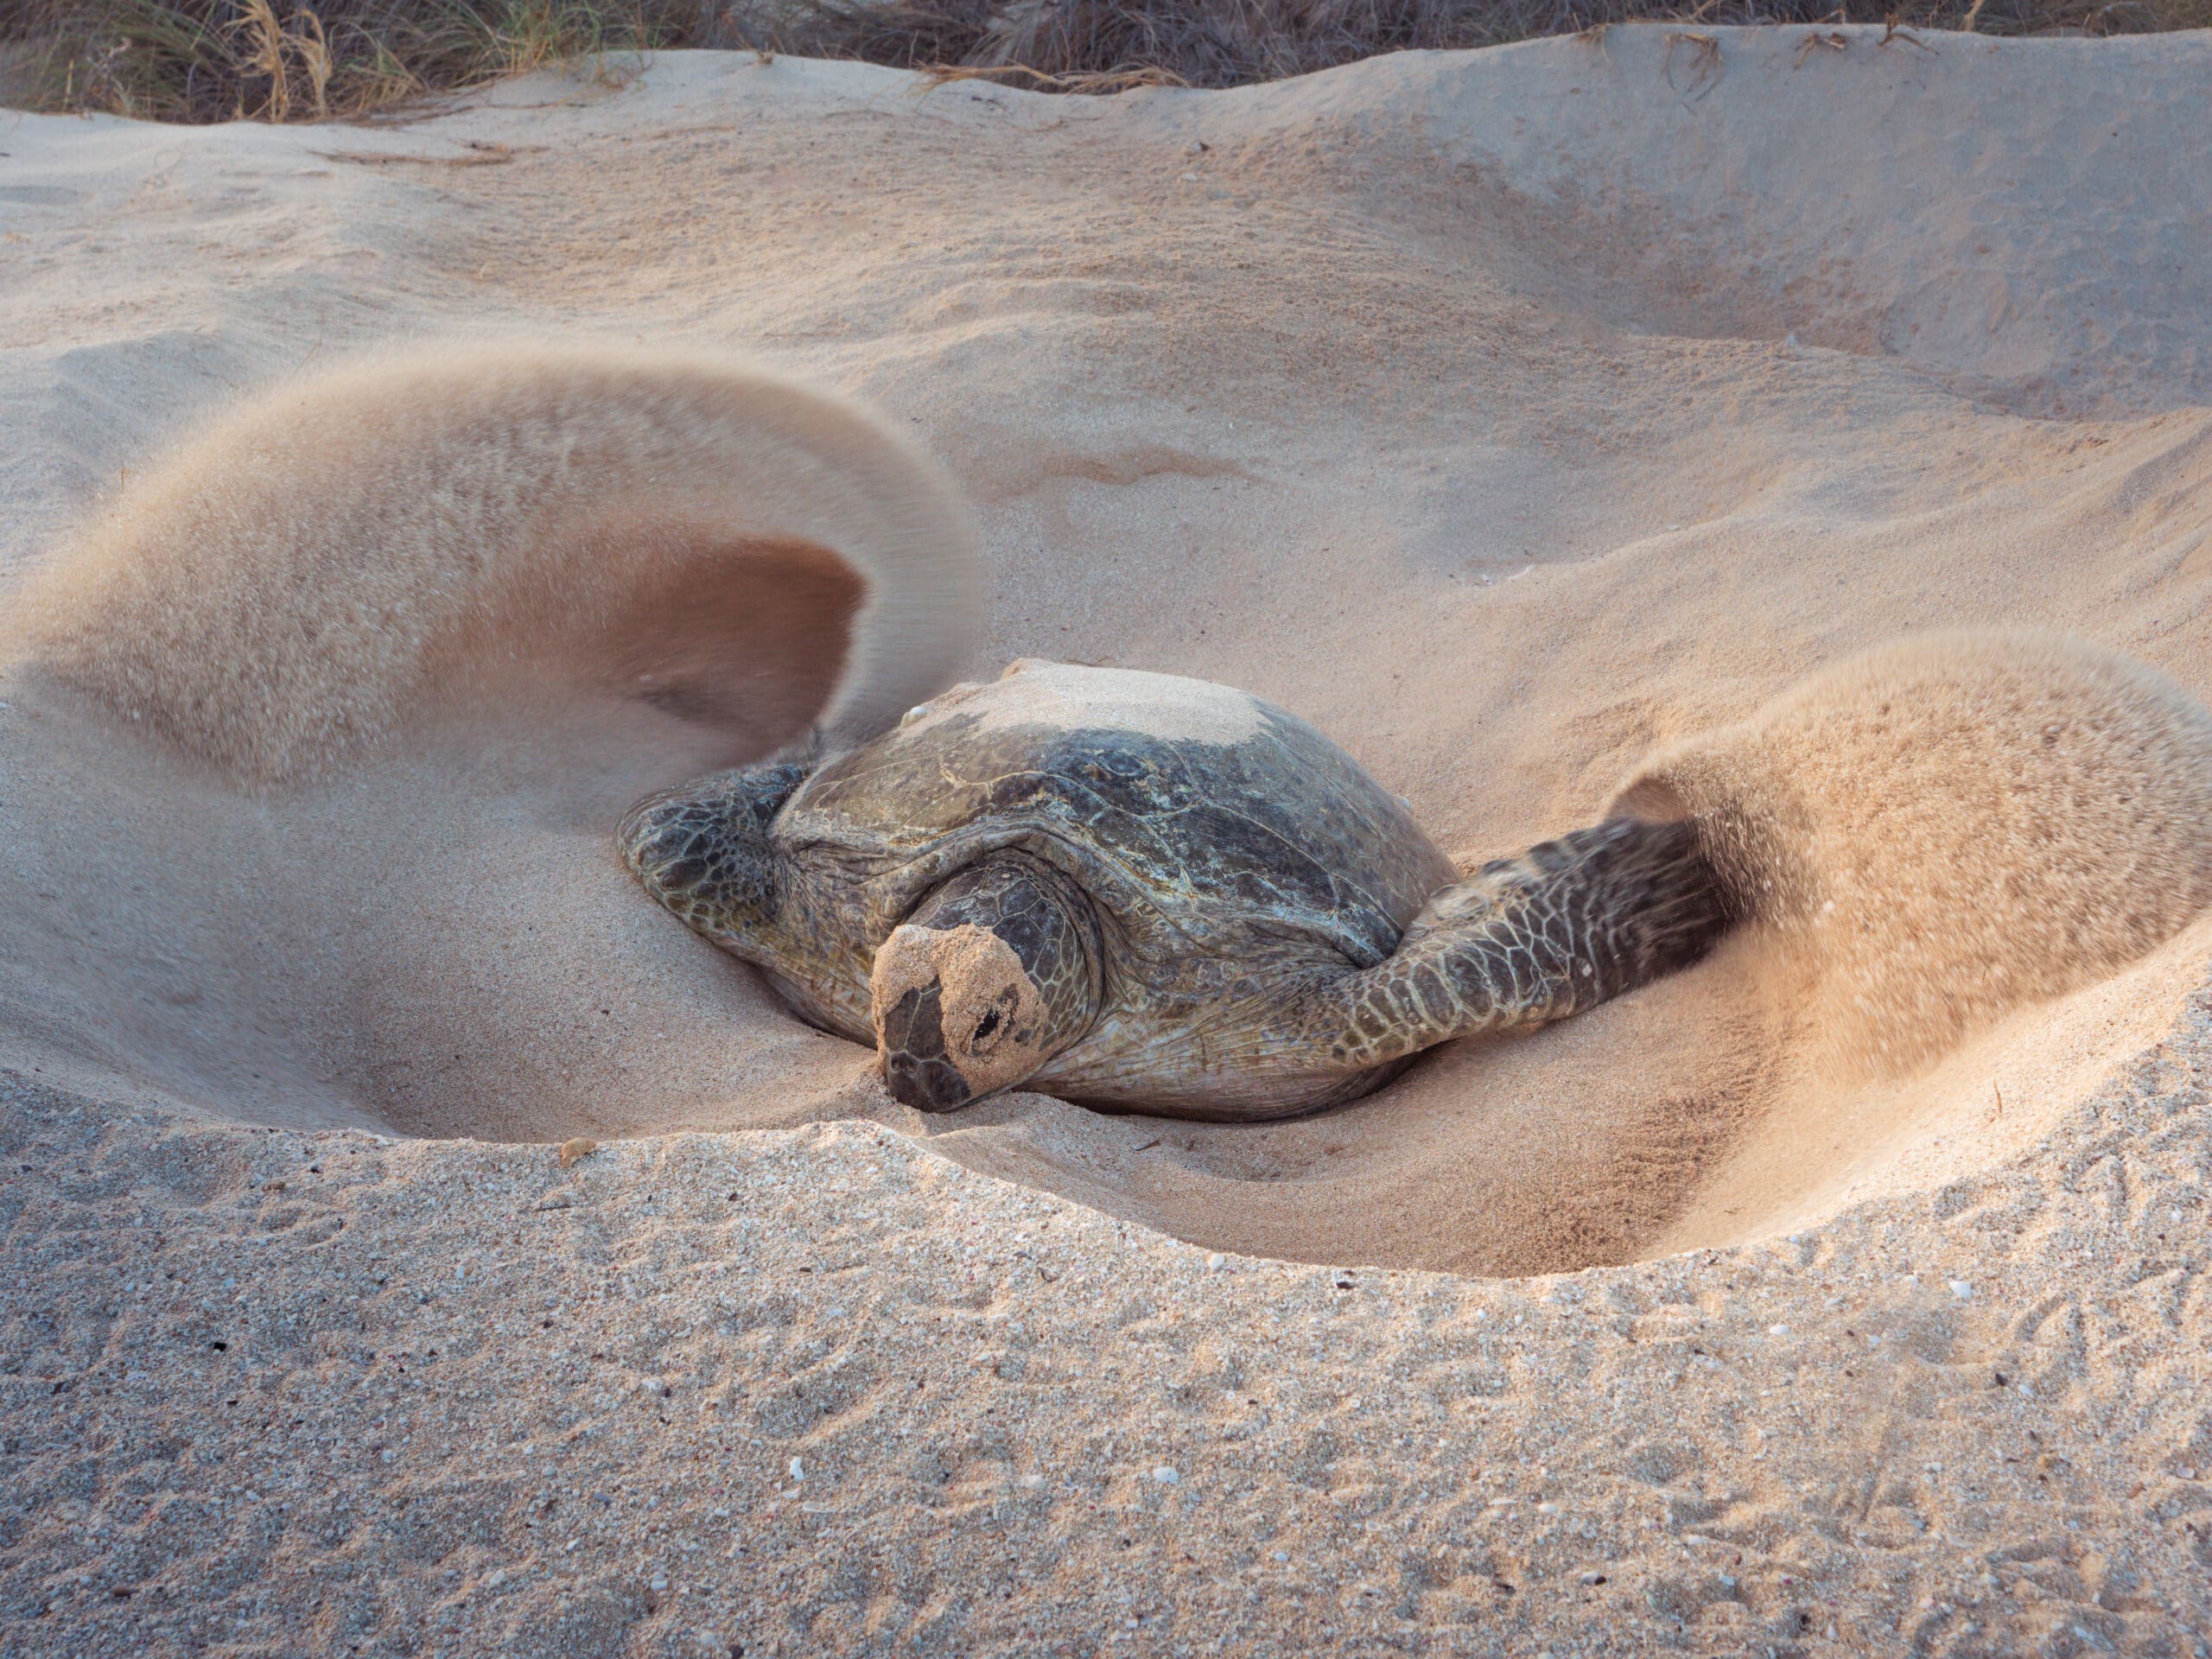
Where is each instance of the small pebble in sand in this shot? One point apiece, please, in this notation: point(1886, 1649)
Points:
point(1165, 1476)
point(1961, 1289)
point(582, 1146)
point(797, 1469)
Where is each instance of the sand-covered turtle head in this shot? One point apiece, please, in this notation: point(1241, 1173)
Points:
point(996, 970)
point(993, 975)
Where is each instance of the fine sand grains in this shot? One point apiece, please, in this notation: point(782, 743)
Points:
point(1513, 417)
point(1942, 829)
point(287, 1393)
point(357, 552)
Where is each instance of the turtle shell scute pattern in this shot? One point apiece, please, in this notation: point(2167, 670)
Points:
point(1189, 844)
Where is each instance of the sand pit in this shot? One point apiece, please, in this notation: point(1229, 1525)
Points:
point(1516, 417)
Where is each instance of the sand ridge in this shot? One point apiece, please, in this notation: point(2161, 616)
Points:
point(316, 564)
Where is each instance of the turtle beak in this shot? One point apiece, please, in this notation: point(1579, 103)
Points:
point(915, 1066)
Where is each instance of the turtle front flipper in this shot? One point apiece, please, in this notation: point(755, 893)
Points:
point(996, 970)
point(703, 851)
point(1561, 928)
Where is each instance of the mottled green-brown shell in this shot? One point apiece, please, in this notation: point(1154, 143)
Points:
point(1196, 815)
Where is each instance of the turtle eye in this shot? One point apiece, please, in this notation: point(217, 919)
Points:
point(995, 1023)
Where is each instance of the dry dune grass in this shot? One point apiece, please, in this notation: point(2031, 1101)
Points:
point(1102, 45)
point(291, 60)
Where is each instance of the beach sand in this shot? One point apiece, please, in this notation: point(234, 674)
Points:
point(1532, 421)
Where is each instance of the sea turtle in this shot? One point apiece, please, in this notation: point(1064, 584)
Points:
point(1142, 892)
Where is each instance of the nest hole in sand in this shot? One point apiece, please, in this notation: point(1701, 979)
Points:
point(1973, 866)
point(311, 837)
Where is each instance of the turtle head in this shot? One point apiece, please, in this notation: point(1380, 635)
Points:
point(995, 973)
point(703, 851)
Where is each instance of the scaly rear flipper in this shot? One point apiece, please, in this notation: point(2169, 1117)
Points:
point(1527, 940)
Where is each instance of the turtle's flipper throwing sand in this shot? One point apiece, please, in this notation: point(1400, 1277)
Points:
point(1567, 925)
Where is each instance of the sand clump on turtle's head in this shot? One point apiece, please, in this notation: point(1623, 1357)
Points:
point(957, 1015)
point(1946, 828)
point(995, 972)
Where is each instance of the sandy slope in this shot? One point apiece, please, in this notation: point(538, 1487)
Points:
point(1504, 414)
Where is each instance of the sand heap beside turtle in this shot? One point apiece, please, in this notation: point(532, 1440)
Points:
point(1138, 891)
